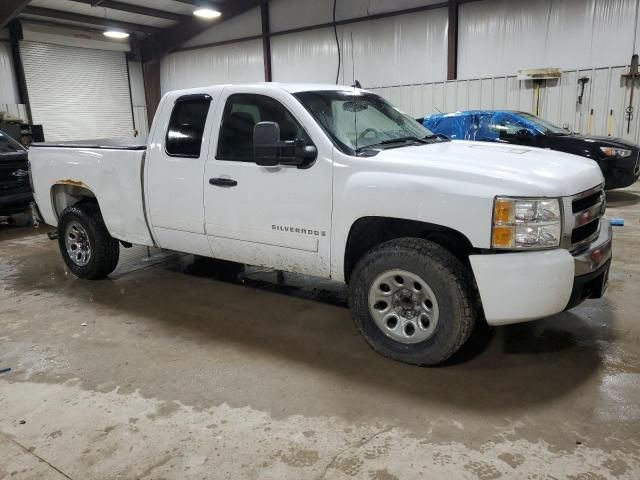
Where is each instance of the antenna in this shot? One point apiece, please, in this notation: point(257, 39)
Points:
point(353, 64)
point(353, 76)
point(439, 111)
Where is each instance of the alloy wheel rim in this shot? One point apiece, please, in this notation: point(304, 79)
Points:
point(77, 243)
point(403, 306)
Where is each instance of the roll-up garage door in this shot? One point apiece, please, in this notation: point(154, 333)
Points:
point(77, 93)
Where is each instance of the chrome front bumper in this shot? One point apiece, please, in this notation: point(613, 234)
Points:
point(592, 268)
point(598, 253)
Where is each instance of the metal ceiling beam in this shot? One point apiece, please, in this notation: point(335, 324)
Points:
point(194, 2)
point(75, 17)
point(173, 37)
point(131, 8)
point(9, 9)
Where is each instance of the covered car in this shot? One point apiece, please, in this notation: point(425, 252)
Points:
point(618, 159)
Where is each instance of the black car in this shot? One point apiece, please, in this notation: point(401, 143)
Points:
point(15, 188)
point(618, 159)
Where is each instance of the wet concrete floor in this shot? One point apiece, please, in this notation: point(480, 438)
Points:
point(181, 368)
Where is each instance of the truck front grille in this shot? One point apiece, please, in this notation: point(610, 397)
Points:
point(582, 213)
point(13, 176)
point(580, 234)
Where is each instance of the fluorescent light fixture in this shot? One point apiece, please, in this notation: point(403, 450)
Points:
point(115, 34)
point(206, 12)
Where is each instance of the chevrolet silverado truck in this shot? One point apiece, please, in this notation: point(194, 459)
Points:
point(431, 235)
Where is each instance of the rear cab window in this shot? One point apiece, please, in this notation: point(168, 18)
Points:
point(186, 126)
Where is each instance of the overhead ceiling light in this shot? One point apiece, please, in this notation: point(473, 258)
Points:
point(207, 13)
point(116, 34)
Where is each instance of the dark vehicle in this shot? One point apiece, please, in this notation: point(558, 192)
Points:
point(15, 188)
point(618, 159)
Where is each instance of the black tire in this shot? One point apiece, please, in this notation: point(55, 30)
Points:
point(105, 250)
point(448, 278)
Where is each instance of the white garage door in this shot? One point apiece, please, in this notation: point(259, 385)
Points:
point(77, 93)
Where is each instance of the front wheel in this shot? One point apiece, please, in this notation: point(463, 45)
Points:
point(413, 301)
point(85, 244)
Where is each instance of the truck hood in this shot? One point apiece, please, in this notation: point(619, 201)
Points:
point(512, 169)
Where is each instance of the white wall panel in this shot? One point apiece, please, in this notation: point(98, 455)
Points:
point(496, 37)
point(243, 25)
point(287, 14)
point(8, 85)
point(305, 57)
point(235, 63)
point(399, 50)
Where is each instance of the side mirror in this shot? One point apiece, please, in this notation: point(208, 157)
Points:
point(523, 132)
point(270, 151)
point(266, 144)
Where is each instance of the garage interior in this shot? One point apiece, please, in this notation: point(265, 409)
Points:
point(178, 366)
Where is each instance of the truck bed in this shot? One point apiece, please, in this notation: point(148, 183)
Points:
point(100, 144)
point(110, 170)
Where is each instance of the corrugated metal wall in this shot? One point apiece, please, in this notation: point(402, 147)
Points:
point(606, 93)
point(395, 50)
point(9, 97)
point(500, 37)
point(415, 44)
point(235, 63)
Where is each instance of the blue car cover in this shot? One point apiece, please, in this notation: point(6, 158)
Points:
point(475, 124)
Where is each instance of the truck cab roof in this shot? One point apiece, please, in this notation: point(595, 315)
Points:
point(288, 87)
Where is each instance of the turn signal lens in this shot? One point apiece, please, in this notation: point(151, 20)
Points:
point(503, 210)
point(503, 237)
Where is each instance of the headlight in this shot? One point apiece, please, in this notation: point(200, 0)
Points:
point(526, 223)
point(616, 152)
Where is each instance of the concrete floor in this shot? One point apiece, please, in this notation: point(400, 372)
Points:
point(174, 369)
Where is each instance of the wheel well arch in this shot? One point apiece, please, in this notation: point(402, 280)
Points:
point(369, 232)
point(66, 194)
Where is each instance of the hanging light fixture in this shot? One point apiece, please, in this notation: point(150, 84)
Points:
point(116, 34)
point(207, 13)
point(119, 34)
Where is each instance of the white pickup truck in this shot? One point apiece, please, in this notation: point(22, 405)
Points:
point(331, 181)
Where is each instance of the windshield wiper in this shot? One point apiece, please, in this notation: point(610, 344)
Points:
point(409, 138)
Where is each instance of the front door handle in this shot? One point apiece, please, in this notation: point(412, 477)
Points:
point(223, 182)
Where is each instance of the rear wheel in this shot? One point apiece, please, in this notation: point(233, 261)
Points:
point(413, 301)
point(85, 244)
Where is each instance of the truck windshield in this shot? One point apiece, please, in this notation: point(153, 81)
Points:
point(545, 127)
point(358, 121)
point(8, 145)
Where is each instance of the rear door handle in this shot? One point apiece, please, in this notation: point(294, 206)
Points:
point(223, 182)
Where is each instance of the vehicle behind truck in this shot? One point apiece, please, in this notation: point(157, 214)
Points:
point(432, 236)
point(15, 191)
